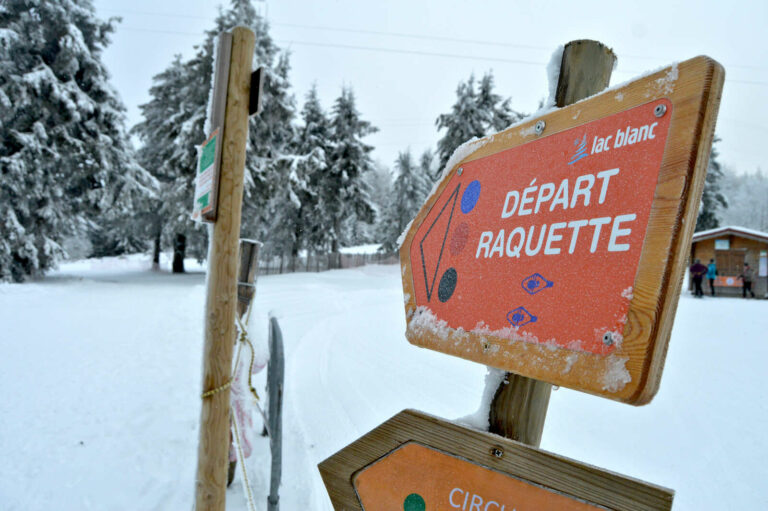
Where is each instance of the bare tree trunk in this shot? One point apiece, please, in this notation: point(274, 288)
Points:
point(156, 252)
point(179, 250)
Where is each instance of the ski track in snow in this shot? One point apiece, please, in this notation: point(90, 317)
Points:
point(109, 355)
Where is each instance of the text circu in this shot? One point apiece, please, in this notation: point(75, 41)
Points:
point(467, 501)
point(586, 189)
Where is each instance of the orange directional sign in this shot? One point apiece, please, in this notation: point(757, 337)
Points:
point(415, 462)
point(447, 482)
point(556, 248)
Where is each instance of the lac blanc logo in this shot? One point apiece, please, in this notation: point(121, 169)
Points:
point(581, 150)
point(624, 137)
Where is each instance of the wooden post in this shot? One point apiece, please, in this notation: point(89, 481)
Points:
point(220, 331)
point(519, 406)
point(246, 277)
point(246, 289)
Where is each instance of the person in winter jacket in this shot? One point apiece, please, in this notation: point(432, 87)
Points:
point(746, 281)
point(711, 275)
point(698, 271)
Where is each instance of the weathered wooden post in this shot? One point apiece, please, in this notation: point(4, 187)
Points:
point(519, 406)
point(246, 289)
point(249, 268)
point(220, 331)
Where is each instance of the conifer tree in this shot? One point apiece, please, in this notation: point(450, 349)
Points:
point(174, 126)
point(475, 114)
point(427, 166)
point(65, 161)
point(271, 135)
point(409, 191)
point(297, 217)
point(747, 197)
point(712, 199)
point(498, 111)
point(344, 193)
point(465, 121)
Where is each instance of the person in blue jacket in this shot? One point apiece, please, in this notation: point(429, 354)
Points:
point(711, 275)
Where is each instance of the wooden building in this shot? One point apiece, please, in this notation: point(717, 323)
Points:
point(731, 247)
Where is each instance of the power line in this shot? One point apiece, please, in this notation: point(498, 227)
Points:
point(727, 79)
point(354, 31)
point(416, 36)
point(407, 36)
point(412, 52)
point(152, 30)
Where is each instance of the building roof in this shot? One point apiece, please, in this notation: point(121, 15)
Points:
point(731, 230)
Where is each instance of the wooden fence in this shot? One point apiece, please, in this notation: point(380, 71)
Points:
point(321, 262)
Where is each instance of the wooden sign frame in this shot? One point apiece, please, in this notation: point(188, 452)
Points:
point(693, 88)
point(216, 119)
point(558, 474)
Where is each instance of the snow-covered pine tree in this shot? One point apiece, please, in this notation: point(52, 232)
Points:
point(175, 102)
point(409, 191)
point(499, 111)
point(475, 114)
point(271, 137)
point(173, 127)
point(65, 160)
point(747, 196)
point(379, 182)
point(712, 199)
point(465, 121)
point(296, 218)
point(427, 165)
point(344, 193)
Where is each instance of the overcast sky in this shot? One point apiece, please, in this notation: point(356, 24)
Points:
point(405, 58)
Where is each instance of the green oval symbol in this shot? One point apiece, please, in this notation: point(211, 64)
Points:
point(414, 502)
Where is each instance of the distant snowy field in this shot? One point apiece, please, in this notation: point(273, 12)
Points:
point(100, 374)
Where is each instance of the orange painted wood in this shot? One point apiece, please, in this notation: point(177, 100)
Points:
point(692, 89)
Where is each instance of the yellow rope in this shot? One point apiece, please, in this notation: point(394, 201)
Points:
point(252, 505)
point(244, 339)
point(218, 389)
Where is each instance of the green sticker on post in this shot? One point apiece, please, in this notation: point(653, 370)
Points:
point(203, 208)
point(208, 154)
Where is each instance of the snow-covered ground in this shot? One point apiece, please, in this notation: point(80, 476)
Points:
point(100, 377)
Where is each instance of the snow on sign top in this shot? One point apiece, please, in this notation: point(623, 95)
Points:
point(559, 255)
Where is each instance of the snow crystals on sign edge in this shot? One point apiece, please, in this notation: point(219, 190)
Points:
point(423, 320)
point(616, 376)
